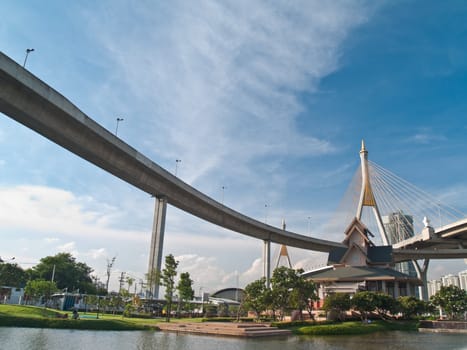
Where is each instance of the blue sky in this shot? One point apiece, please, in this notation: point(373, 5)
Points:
point(267, 99)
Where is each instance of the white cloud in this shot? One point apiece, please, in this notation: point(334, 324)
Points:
point(45, 210)
point(426, 136)
point(69, 247)
point(221, 80)
point(96, 253)
point(207, 273)
point(454, 196)
point(218, 85)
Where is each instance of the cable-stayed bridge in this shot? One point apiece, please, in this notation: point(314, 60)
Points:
point(33, 103)
point(415, 223)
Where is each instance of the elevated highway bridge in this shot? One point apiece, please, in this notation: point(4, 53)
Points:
point(445, 242)
point(33, 103)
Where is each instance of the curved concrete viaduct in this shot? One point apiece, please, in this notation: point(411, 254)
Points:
point(30, 101)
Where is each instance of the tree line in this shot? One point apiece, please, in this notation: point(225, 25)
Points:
point(52, 273)
point(450, 299)
point(288, 291)
point(291, 291)
point(62, 272)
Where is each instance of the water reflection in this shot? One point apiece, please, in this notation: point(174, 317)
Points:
point(53, 339)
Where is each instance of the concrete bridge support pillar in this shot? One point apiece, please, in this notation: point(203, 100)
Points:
point(267, 262)
point(422, 272)
point(157, 242)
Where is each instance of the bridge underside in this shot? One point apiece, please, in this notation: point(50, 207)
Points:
point(446, 242)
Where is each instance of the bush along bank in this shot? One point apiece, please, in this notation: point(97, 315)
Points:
point(347, 328)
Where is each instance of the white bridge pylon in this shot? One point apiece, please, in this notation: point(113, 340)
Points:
point(367, 198)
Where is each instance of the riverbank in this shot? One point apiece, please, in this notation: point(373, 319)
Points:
point(37, 317)
point(443, 327)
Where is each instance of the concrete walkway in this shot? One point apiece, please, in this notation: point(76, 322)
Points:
point(225, 329)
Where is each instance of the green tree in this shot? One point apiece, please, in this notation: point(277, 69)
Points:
point(168, 281)
point(303, 295)
point(67, 272)
point(386, 305)
point(257, 297)
point(410, 306)
point(335, 304)
point(283, 282)
point(364, 302)
point(185, 290)
point(12, 275)
point(452, 300)
point(116, 303)
point(36, 289)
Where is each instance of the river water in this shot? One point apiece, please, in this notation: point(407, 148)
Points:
point(55, 339)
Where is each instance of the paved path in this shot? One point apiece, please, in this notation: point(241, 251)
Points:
point(225, 329)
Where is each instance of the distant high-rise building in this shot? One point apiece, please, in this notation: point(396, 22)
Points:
point(398, 227)
point(463, 280)
point(450, 280)
point(433, 287)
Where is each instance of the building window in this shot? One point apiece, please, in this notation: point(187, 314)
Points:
point(402, 289)
point(390, 288)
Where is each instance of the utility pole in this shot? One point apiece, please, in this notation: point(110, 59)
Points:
point(110, 264)
point(53, 274)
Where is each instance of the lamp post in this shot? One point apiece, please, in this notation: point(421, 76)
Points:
point(309, 225)
point(26, 57)
point(118, 121)
point(223, 190)
point(176, 165)
point(202, 299)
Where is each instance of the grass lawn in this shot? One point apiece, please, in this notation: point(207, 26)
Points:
point(39, 317)
point(355, 327)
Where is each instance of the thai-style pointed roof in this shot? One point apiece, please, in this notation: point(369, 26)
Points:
point(365, 254)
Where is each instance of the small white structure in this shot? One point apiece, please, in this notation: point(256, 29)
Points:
point(11, 295)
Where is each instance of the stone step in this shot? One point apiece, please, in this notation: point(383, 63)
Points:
point(228, 329)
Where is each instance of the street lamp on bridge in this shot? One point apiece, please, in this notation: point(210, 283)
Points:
point(176, 165)
point(118, 121)
point(26, 57)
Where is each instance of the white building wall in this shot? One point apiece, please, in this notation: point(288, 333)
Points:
point(433, 287)
point(463, 280)
point(450, 280)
